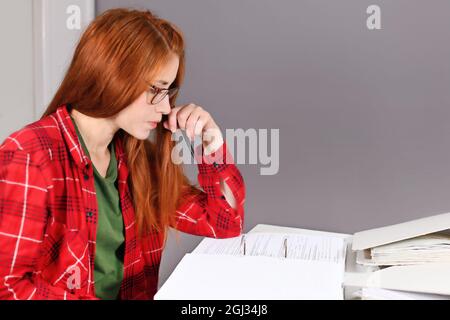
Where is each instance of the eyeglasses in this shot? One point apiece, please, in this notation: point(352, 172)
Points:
point(155, 95)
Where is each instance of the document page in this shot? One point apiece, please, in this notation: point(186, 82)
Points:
point(223, 277)
point(291, 246)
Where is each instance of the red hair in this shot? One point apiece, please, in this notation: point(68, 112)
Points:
point(117, 56)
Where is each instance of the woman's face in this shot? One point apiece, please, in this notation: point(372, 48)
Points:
point(140, 117)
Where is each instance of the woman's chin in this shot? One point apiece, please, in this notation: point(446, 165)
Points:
point(141, 135)
point(143, 132)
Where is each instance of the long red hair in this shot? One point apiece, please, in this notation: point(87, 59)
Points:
point(115, 59)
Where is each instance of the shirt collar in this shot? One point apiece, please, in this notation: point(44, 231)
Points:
point(69, 134)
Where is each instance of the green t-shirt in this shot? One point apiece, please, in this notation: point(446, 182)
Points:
point(110, 241)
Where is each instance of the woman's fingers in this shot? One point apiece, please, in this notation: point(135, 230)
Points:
point(183, 115)
point(201, 124)
point(193, 122)
point(191, 118)
point(172, 119)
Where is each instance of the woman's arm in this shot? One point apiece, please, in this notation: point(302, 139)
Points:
point(228, 193)
point(218, 211)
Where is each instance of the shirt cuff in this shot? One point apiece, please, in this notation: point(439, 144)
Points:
point(216, 162)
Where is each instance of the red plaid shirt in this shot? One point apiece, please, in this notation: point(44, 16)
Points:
point(48, 215)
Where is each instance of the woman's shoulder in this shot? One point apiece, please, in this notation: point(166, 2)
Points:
point(40, 137)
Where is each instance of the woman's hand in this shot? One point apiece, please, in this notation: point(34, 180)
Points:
point(196, 121)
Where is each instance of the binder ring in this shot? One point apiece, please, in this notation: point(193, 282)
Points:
point(243, 245)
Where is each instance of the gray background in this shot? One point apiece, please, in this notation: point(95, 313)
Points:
point(16, 66)
point(363, 115)
point(34, 57)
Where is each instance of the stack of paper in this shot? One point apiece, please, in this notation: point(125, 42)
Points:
point(260, 266)
point(424, 249)
point(412, 257)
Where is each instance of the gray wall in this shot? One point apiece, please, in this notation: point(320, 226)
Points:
point(58, 25)
point(16, 66)
point(36, 47)
point(363, 115)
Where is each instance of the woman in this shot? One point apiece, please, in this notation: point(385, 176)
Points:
point(85, 197)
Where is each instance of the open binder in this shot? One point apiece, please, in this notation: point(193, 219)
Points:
point(274, 268)
point(260, 266)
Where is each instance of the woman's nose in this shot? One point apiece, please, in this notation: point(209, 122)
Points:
point(164, 106)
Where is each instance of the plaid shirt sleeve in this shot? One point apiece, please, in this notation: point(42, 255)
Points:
point(210, 214)
point(23, 218)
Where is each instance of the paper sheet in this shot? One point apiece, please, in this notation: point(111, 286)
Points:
point(222, 277)
point(291, 246)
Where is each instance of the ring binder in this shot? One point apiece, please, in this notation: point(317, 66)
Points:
point(262, 273)
point(243, 244)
